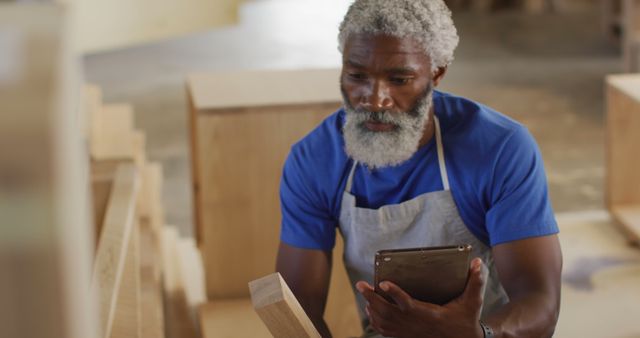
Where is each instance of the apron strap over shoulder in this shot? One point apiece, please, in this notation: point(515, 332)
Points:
point(441, 162)
point(350, 177)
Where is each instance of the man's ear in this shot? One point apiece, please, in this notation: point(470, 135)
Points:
point(438, 75)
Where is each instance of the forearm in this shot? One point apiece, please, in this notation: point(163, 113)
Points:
point(315, 311)
point(307, 272)
point(533, 315)
point(313, 305)
point(321, 326)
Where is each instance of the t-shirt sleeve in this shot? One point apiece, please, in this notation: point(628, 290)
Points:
point(520, 206)
point(306, 220)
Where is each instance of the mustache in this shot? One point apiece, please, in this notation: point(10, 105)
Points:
point(387, 116)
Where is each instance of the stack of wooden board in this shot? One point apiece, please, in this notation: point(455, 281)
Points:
point(242, 127)
point(623, 144)
point(127, 265)
point(146, 275)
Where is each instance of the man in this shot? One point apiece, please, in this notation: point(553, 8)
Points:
point(403, 165)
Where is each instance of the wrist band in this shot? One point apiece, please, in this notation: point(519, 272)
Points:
point(486, 330)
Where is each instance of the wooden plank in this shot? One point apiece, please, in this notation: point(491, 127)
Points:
point(628, 220)
point(114, 240)
point(169, 261)
point(151, 304)
point(231, 89)
point(231, 318)
point(126, 321)
point(279, 309)
point(191, 273)
point(150, 202)
point(180, 318)
point(102, 175)
point(45, 243)
point(112, 135)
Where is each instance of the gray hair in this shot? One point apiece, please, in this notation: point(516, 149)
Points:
point(427, 21)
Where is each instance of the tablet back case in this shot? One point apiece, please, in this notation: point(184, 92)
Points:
point(436, 275)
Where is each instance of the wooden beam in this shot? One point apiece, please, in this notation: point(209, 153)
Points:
point(102, 175)
point(151, 303)
point(150, 202)
point(127, 316)
point(114, 240)
point(279, 309)
point(112, 133)
point(180, 319)
point(191, 273)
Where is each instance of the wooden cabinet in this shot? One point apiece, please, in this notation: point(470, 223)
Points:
point(623, 152)
point(242, 127)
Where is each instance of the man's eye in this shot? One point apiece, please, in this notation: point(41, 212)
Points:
point(400, 80)
point(357, 76)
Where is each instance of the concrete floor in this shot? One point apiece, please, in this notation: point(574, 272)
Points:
point(546, 71)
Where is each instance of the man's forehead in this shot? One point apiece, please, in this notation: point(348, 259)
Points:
point(365, 49)
point(382, 43)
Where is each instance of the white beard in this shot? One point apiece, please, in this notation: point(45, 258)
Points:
point(377, 149)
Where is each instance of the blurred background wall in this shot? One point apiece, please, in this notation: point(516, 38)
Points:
point(104, 25)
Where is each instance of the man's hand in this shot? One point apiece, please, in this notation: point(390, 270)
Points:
point(413, 318)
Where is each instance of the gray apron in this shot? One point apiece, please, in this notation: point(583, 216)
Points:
point(430, 219)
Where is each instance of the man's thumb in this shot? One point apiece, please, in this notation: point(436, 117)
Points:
point(474, 291)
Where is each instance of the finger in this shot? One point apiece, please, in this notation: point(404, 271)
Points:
point(382, 325)
point(473, 292)
point(379, 306)
point(366, 290)
point(361, 286)
point(402, 299)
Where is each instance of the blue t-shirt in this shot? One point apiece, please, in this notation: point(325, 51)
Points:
point(495, 169)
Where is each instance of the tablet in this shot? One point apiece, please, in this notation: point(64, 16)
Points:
point(434, 274)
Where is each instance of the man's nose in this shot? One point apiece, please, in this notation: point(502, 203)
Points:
point(376, 98)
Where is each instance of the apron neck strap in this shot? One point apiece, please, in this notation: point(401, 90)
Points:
point(441, 162)
point(350, 177)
